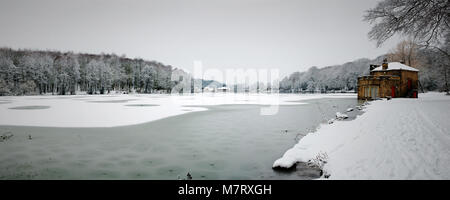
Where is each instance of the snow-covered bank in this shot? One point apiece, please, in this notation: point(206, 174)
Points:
point(121, 110)
point(396, 139)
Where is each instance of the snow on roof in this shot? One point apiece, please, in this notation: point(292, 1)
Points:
point(396, 66)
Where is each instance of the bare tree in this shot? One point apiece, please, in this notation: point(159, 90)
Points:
point(407, 52)
point(425, 21)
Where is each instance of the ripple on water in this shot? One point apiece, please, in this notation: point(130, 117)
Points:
point(249, 167)
point(39, 152)
point(29, 107)
point(66, 155)
point(160, 149)
point(53, 173)
point(107, 165)
point(77, 164)
point(130, 155)
point(187, 147)
point(126, 163)
point(171, 171)
point(215, 165)
point(90, 154)
point(48, 161)
point(203, 175)
point(17, 148)
point(103, 174)
point(191, 156)
point(20, 156)
point(138, 174)
point(58, 150)
point(7, 160)
point(19, 166)
point(240, 177)
point(152, 162)
point(140, 148)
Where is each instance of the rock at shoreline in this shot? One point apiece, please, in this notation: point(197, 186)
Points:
point(340, 116)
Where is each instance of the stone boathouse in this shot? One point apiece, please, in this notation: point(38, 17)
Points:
point(390, 80)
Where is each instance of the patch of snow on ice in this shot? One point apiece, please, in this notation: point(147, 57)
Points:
point(115, 110)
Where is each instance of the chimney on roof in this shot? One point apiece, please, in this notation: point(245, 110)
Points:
point(385, 64)
point(372, 67)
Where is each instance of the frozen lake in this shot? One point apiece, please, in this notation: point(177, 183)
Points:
point(231, 141)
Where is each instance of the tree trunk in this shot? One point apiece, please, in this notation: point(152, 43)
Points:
point(446, 80)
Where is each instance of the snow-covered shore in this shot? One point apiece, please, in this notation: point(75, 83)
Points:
point(396, 139)
point(122, 110)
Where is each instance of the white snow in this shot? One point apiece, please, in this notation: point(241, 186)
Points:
point(340, 116)
point(111, 110)
point(396, 139)
point(349, 109)
point(396, 66)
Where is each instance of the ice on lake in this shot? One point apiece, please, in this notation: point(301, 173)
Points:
point(209, 140)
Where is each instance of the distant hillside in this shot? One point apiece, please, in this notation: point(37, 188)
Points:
point(339, 77)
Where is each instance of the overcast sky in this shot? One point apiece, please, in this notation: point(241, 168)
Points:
point(291, 35)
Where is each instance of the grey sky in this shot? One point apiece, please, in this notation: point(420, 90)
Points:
point(291, 35)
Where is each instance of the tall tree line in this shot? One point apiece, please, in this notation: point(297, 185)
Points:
point(39, 72)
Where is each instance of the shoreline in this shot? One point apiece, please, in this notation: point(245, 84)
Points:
point(395, 139)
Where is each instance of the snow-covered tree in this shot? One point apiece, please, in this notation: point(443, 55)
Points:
point(148, 77)
point(66, 73)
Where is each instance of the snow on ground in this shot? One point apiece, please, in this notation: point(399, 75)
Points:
point(396, 139)
point(122, 110)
